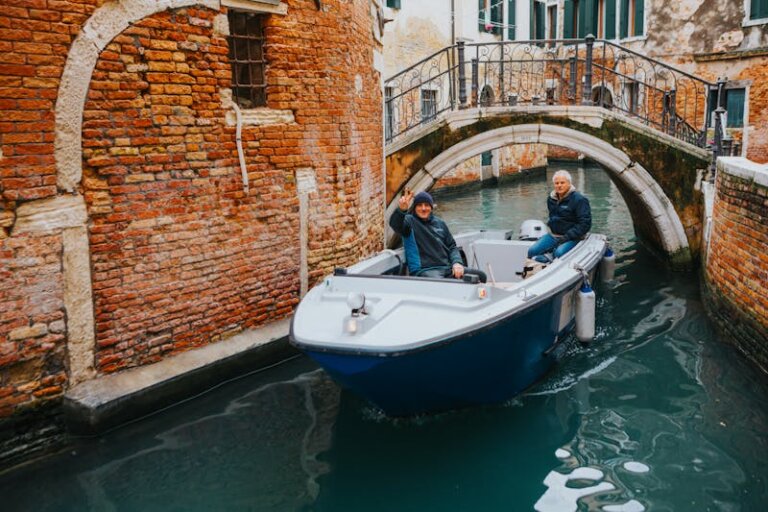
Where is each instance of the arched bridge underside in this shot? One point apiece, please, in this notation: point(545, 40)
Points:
point(657, 175)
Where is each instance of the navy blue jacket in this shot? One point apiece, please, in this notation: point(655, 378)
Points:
point(570, 217)
point(427, 243)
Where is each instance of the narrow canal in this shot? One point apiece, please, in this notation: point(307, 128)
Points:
point(657, 414)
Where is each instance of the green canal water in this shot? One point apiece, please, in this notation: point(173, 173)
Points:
point(656, 414)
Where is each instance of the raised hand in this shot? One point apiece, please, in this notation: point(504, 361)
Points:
point(405, 200)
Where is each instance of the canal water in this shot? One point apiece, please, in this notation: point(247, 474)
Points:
point(656, 414)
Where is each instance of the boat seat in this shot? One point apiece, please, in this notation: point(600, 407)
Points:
point(502, 260)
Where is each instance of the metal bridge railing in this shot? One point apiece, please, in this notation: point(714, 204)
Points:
point(551, 72)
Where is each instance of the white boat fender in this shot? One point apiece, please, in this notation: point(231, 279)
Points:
point(608, 265)
point(585, 313)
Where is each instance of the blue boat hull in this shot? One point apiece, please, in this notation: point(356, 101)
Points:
point(488, 365)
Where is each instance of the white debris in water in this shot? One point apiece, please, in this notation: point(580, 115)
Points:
point(562, 454)
point(630, 506)
point(561, 498)
point(636, 467)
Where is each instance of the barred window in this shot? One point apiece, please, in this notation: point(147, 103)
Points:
point(246, 55)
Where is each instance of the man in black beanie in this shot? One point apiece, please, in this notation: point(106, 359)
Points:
point(430, 249)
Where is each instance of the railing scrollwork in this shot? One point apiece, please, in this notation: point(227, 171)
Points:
point(551, 72)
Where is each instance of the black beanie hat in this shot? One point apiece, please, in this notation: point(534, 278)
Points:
point(423, 197)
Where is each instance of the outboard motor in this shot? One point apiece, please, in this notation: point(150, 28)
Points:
point(531, 230)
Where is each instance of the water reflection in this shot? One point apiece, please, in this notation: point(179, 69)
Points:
point(656, 414)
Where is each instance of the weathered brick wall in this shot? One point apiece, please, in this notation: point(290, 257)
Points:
point(736, 270)
point(512, 159)
point(180, 254)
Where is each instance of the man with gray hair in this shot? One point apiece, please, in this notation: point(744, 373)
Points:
point(570, 219)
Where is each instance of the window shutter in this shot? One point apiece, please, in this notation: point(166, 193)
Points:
point(481, 15)
point(758, 10)
point(540, 18)
point(593, 6)
point(532, 17)
point(511, 20)
point(496, 18)
point(581, 30)
point(624, 20)
point(639, 17)
point(568, 19)
point(394, 4)
point(610, 19)
point(735, 106)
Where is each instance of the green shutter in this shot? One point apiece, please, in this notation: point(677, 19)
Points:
point(588, 17)
point(540, 19)
point(758, 9)
point(734, 104)
point(624, 20)
point(511, 20)
point(496, 18)
point(532, 16)
point(610, 19)
point(394, 4)
point(481, 15)
point(639, 18)
point(568, 19)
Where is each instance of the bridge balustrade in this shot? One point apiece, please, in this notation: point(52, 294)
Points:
point(553, 72)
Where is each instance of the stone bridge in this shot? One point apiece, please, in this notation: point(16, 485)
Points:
point(657, 174)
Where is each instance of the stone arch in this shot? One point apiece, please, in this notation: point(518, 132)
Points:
point(603, 96)
point(628, 174)
point(486, 96)
point(106, 23)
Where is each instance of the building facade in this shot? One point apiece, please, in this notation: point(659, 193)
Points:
point(171, 174)
point(717, 41)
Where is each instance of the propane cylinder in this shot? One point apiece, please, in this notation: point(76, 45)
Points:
point(585, 313)
point(608, 266)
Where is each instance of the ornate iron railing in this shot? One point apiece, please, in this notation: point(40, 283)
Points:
point(550, 72)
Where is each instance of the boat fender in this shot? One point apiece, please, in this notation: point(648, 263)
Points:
point(585, 313)
point(608, 266)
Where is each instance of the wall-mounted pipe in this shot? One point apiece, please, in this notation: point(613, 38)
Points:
point(239, 141)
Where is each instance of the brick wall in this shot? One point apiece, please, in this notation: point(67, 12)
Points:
point(736, 269)
point(180, 254)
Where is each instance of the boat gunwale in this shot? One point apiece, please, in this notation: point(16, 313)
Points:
point(430, 343)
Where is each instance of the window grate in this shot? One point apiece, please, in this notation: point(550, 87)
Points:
point(246, 56)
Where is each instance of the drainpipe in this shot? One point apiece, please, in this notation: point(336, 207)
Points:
point(239, 140)
point(453, 22)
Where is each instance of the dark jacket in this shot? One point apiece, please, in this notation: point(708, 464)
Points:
point(427, 243)
point(571, 216)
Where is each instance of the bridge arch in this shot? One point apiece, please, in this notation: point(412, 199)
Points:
point(643, 195)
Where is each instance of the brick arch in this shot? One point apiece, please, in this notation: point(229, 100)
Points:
point(103, 26)
point(649, 200)
point(107, 22)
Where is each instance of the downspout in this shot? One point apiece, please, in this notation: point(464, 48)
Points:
point(453, 22)
point(239, 140)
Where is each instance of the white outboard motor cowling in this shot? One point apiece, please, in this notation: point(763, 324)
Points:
point(532, 229)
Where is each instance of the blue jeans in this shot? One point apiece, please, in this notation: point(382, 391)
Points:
point(548, 243)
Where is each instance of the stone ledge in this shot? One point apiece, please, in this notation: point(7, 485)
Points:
point(106, 402)
point(745, 169)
